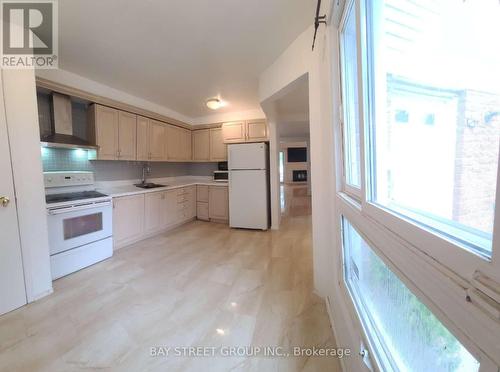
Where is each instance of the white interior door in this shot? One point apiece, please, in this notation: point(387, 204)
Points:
point(12, 288)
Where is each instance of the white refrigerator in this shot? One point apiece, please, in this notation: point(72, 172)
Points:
point(248, 185)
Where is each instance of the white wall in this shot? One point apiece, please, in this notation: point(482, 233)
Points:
point(229, 116)
point(79, 82)
point(296, 61)
point(432, 283)
point(293, 63)
point(24, 136)
point(271, 116)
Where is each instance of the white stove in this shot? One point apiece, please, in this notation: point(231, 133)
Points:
point(79, 220)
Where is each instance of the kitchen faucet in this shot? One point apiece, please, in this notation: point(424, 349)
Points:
point(146, 170)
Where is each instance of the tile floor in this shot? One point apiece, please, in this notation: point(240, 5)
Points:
point(200, 285)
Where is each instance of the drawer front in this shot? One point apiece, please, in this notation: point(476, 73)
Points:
point(182, 191)
point(182, 198)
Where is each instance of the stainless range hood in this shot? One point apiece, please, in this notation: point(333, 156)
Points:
point(62, 134)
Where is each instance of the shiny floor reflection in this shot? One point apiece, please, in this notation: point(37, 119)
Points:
point(200, 285)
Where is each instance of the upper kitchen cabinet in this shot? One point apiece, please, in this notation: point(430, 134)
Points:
point(179, 146)
point(208, 145)
point(174, 145)
point(104, 120)
point(187, 143)
point(218, 149)
point(201, 145)
point(115, 133)
point(142, 138)
point(127, 135)
point(245, 131)
point(151, 139)
point(256, 130)
point(157, 133)
point(234, 132)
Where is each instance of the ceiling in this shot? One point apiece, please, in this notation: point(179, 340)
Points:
point(292, 110)
point(178, 53)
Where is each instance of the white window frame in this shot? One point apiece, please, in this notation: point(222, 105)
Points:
point(452, 255)
point(441, 273)
point(353, 191)
point(424, 283)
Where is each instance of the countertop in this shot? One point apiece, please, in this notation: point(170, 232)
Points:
point(125, 188)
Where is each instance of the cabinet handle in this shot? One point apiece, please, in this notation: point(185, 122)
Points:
point(4, 201)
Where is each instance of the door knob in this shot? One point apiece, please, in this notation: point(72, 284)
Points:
point(4, 201)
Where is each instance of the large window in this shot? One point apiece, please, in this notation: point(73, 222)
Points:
point(349, 63)
point(420, 92)
point(435, 114)
point(410, 336)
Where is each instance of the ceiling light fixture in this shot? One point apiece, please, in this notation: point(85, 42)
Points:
point(214, 103)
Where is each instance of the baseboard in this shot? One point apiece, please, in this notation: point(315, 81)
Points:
point(332, 326)
point(41, 295)
point(330, 318)
point(218, 221)
point(315, 291)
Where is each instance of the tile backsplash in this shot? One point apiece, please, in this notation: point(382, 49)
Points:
point(65, 160)
point(55, 159)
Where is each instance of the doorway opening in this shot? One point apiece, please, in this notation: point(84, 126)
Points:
point(291, 109)
point(282, 166)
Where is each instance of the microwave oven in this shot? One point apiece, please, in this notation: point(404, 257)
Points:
point(221, 176)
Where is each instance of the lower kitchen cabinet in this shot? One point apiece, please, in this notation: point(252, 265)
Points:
point(139, 216)
point(186, 203)
point(191, 205)
point(170, 208)
point(202, 211)
point(154, 211)
point(218, 203)
point(128, 219)
point(212, 203)
point(202, 202)
point(202, 193)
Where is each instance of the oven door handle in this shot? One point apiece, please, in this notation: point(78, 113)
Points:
point(79, 207)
